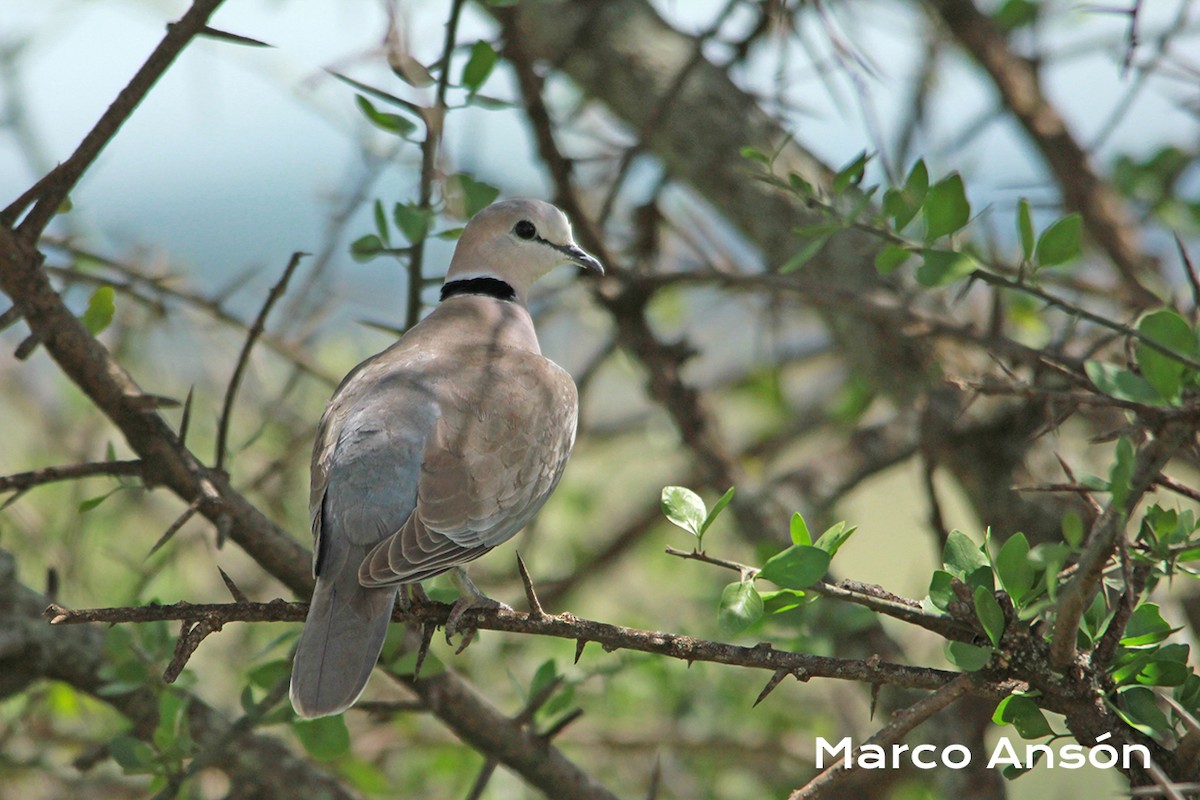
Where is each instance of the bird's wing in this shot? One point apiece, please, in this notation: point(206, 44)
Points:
point(505, 428)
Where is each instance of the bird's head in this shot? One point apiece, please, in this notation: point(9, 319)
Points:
point(517, 241)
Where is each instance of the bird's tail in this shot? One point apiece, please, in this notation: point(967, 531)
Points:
point(342, 638)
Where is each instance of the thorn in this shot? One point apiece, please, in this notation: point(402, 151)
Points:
point(174, 527)
point(875, 687)
point(236, 38)
point(426, 638)
point(558, 727)
point(51, 583)
point(535, 606)
point(778, 677)
point(238, 595)
point(186, 420)
point(579, 645)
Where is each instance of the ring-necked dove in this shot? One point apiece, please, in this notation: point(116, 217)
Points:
point(436, 450)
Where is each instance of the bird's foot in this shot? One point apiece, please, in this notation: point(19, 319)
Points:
point(470, 598)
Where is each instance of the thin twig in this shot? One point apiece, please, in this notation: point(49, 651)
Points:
point(23, 481)
point(252, 335)
point(902, 724)
point(51, 190)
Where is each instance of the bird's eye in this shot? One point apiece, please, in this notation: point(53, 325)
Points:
point(525, 229)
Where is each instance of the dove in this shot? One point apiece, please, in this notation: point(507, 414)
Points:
point(436, 450)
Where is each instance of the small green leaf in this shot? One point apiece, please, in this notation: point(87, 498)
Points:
point(804, 254)
point(890, 257)
point(961, 556)
point(1165, 374)
point(88, 505)
point(1024, 715)
point(1060, 242)
point(851, 174)
point(1122, 472)
point(543, 677)
point(1014, 14)
point(1016, 574)
point(754, 154)
point(941, 589)
point(381, 226)
point(711, 517)
point(1121, 383)
point(797, 567)
point(941, 267)
point(781, 600)
point(133, 755)
point(324, 738)
point(100, 310)
point(477, 195)
point(1025, 228)
point(450, 234)
point(392, 123)
point(968, 657)
point(741, 606)
point(799, 530)
point(831, 540)
point(1139, 708)
point(414, 222)
point(479, 66)
point(684, 508)
point(946, 207)
point(990, 615)
point(916, 187)
point(270, 674)
point(1146, 627)
point(1072, 528)
point(365, 248)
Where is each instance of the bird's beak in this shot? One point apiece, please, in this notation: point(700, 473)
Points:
point(579, 256)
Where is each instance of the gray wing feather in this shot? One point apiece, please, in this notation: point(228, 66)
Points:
point(366, 464)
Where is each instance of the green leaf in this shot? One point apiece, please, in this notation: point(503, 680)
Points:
point(946, 207)
point(754, 154)
point(851, 174)
point(804, 254)
point(1024, 715)
point(1121, 383)
point(799, 530)
point(781, 600)
point(1122, 472)
point(916, 187)
point(890, 257)
point(381, 226)
point(1165, 374)
point(1072, 528)
point(1016, 574)
point(89, 504)
point(133, 755)
point(797, 567)
point(1025, 228)
point(543, 677)
point(741, 606)
point(270, 674)
point(940, 267)
point(1014, 14)
point(392, 123)
point(968, 657)
point(1146, 627)
point(100, 310)
point(941, 589)
point(832, 539)
point(1060, 242)
point(477, 195)
point(1139, 708)
point(711, 517)
point(684, 508)
point(961, 556)
point(414, 222)
point(479, 66)
point(324, 738)
point(365, 248)
point(990, 615)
